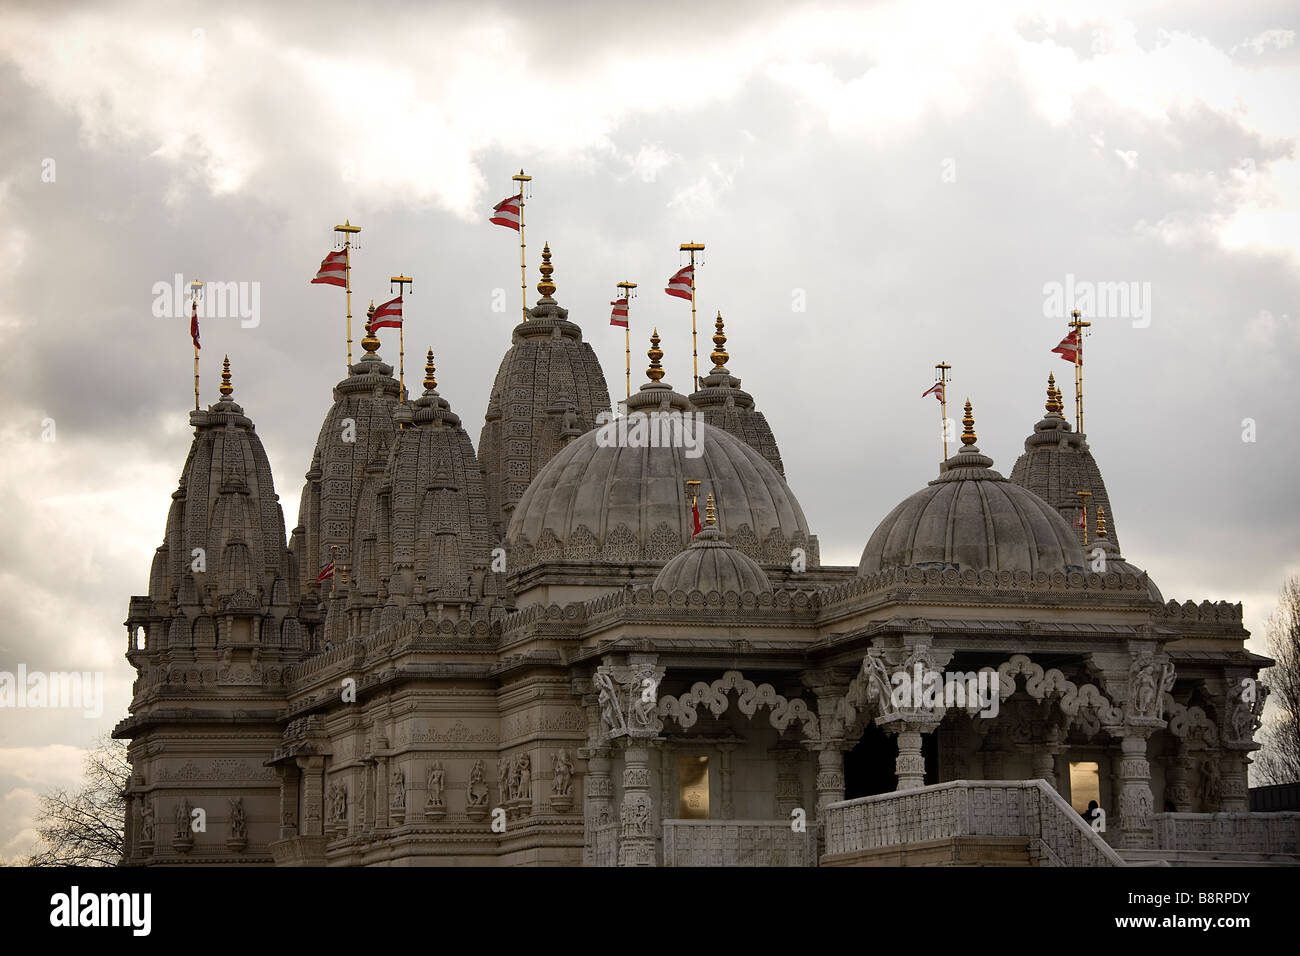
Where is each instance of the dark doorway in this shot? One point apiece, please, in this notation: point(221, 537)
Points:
point(869, 767)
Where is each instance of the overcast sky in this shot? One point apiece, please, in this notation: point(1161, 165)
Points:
point(880, 187)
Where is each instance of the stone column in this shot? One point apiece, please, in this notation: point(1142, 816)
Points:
point(789, 788)
point(1178, 783)
point(313, 794)
point(1236, 792)
point(830, 775)
point(1043, 764)
point(910, 764)
point(637, 846)
point(598, 797)
point(289, 777)
point(1135, 799)
point(132, 827)
point(728, 807)
point(381, 793)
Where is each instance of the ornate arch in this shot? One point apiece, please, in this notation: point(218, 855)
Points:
point(781, 711)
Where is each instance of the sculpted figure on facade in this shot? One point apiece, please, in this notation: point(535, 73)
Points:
point(238, 829)
point(477, 795)
point(397, 784)
point(435, 783)
point(562, 767)
point(1211, 783)
point(1143, 687)
point(146, 822)
point(524, 779)
point(1246, 709)
point(182, 818)
point(504, 768)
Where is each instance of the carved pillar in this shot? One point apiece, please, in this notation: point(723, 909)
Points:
point(637, 846)
point(910, 764)
point(313, 794)
point(1135, 799)
point(289, 777)
point(1236, 792)
point(1178, 783)
point(830, 775)
point(728, 806)
point(1043, 764)
point(130, 829)
point(381, 792)
point(598, 798)
point(789, 787)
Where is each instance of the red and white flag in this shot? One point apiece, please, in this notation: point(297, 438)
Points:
point(388, 315)
point(1081, 521)
point(333, 269)
point(682, 282)
point(1069, 347)
point(325, 573)
point(194, 323)
point(619, 314)
point(936, 390)
point(508, 212)
point(695, 516)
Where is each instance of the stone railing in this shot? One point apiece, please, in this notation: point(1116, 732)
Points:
point(1270, 834)
point(737, 843)
point(1031, 809)
point(605, 844)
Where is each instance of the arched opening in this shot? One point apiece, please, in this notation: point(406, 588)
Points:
point(869, 768)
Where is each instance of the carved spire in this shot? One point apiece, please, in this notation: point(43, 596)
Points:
point(1101, 521)
point(546, 287)
point(371, 341)
point(430, 383)
point(719, 354)
point(968, 426)
point(226, 388)
point(656, 371)
point(1053, 405)
point(710, 516)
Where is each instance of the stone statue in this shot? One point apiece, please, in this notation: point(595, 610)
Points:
point(182, 819)
point(237, 823)
point(1244, 716)
point(1211, 783)
point(397, 783)
point(503, 779)
point(338, 802)
point(435, 783)
point(611, 710)
point(146, 822)
point(478, 790)
point(524, 776)
point(562, 766)
point(879, 687)
point(1144, 689)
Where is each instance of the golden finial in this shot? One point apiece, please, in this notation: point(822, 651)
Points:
point(546, 287)
point(371, 341)
point(719, 354)
point(656, 371)
point(709, 513)
point(1101, 521)
point(226, 388)
point(1053, 405)
point(430, 383)
point(968, 426)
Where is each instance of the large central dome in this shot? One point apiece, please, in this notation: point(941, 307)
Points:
point(608, 502)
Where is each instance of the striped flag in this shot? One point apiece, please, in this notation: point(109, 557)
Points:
point(1081, 521)
point(325, 573)
point(194, 323)
point(1069, 347)
point(333, 269)
point(936, 390)
point(390, 313)
point(508, 212)
point(619, 314)
point(682, 283)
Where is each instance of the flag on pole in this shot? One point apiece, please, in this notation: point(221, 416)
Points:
point(508, 212)
point(194, 323)
point(325, 573)
point(695, 516)
point(388, 315)
point(619, 314)
point(333, 270)
point(1081, 521)
point(936, 390)
point(682, 282)
point(1069, 347)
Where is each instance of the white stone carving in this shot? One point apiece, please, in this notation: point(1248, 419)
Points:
point(782, 712)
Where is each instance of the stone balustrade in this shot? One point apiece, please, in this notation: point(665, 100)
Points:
point(737, 843)
point(1268, 834)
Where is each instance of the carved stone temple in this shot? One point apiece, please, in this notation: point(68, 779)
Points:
point(527, 655)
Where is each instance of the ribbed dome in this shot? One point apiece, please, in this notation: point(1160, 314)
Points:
point(972, 517)
point(711, 564)
point(604, 501)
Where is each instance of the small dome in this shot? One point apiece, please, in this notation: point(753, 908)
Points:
point(711, 564)
point(972, 517)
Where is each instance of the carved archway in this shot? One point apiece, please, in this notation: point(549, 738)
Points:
point(752, 696)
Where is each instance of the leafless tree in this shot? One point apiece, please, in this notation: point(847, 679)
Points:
point(86, 827)
point(1279, 760)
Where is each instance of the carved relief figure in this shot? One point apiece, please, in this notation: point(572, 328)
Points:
point(397, 783)
point(435, 783)
point(1211, 783)
point(562, 766)
point(1244, 716)
point(1143, 687)
point(503, 780)
point(182, 819)
point(611, 709)
point(237, 823)
point(146, 822)
point(338, 798)
point(524, 778)
point(478, 788)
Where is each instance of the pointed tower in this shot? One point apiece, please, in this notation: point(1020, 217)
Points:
point(215, 636)
point(1057, 463)
point(548, 390)
point(725, 405)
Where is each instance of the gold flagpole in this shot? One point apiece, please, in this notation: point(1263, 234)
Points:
point(943, 368)
point(1083, 501)
point(627, 288)
point(1078, 325)
point(196, 290)
point(401, 282)
point(692, 248)
point(348, 230)
point(520, 178)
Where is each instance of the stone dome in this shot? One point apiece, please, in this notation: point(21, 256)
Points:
point(973, 517)
point(711, 564)
point(604, 500)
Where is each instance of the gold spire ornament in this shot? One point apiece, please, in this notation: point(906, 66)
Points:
point(546, 287)
point(719, 355)
point(656, 371)
point(371, 341)
point(968, 427)
point(430, 383)
point(1101, 521)
point(709, 514)
point(226, 388)
point(1053, 405)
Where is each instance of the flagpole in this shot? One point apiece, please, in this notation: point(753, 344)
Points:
point(942, 368)
point(520, 178)
point(1083, 501)
point(626, 288)
point(196, 289)
point(692, 248)
point(401, 282)
point(348, 230)
point(1078, 325)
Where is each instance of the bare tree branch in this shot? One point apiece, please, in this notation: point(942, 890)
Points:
point(86, 828)
point(1279, 759)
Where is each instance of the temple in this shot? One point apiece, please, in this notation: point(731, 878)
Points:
point(571, 648)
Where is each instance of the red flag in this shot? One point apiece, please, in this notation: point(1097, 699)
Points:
point(390, 312)
point(325, 573)
point(333, 269)
point(1069, 347)
point(695, 516)
point(508, 212)
point(1081, 521)
point(619, 315)
point(936, 390)
point(682, 282)
point(194, 323)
